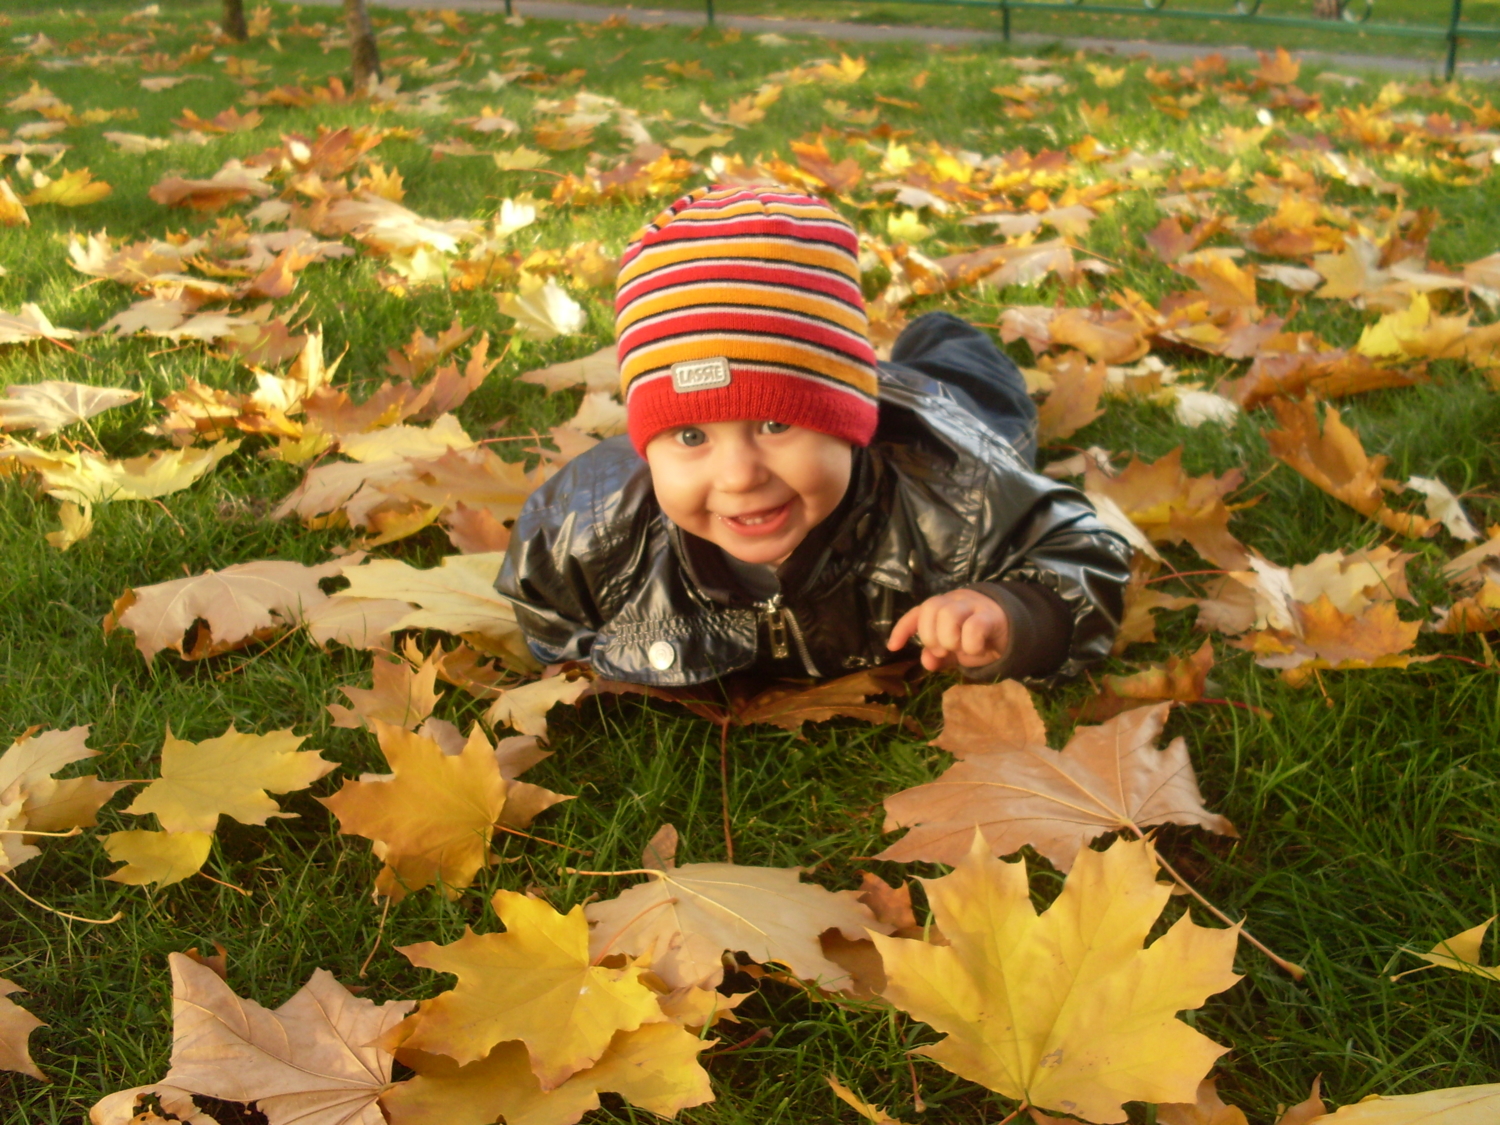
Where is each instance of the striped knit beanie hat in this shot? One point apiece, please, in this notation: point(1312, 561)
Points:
point(744, 304)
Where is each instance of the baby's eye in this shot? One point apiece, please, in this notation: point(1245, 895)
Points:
point(691, 436)
point(774, 427)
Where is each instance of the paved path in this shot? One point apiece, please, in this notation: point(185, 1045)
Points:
point(870, 33)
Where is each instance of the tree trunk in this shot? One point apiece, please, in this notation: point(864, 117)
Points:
point(1326, 9)
point(233, 25)
point(362, 48)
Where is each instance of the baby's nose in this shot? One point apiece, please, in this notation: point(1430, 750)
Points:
point(740, 468)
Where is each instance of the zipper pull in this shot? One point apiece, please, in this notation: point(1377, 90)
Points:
point(775, 627)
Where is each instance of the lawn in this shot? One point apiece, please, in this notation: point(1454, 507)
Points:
point(1364, 798)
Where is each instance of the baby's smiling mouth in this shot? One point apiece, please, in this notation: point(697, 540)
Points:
point(756, 519)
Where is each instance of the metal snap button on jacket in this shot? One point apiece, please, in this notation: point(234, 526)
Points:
point(662, 655)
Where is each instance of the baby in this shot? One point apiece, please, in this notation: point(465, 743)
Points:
point(782, 501)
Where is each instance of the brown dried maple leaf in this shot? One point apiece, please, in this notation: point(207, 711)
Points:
point(790, 704)
point(1016, 791)
point(312, 1061)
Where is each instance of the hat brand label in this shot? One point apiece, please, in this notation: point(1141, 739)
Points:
point(700, 374)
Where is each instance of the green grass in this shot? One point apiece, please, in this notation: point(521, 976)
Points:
point(1367, 818)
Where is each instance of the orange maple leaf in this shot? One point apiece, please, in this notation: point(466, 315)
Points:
point(1172, 507)
point(1335, 460)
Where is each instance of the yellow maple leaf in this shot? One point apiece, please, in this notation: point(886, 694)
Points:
point(654, 1067)
point(53, 804)
point(12, 213)
point(432, 818)
point(1454, 1105)
point(1105, 77)
point(1064, 1010)
point(162, 858)
point(86, 478)
point(71, 189)
point(16, 1024)
point(1415, 332)
point(229, 775)
point(1460, 953)
point(401, 695)
point(534, 983)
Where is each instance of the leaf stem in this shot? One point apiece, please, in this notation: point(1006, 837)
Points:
point(26, 832)
point(1296, 971)
point(53, 910)
point(1182, 574)
point(227, 886)
point(540, 839)
point(379, 935)
point(724, 787)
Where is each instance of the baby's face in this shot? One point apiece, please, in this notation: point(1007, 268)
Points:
point(753, 488)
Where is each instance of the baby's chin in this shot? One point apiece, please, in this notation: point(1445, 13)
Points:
point(768, 555)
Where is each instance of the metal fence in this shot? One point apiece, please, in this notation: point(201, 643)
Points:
point(1352, 15)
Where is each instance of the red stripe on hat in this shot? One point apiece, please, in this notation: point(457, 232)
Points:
point(755, 395)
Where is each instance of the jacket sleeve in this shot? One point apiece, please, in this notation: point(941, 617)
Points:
point(547, 587)
point(558, 598)
point(1063, 569)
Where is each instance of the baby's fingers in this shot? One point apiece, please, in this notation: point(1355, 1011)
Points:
point(977, 639)
point(905, 629)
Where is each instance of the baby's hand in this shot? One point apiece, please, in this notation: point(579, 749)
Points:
point(962, 628)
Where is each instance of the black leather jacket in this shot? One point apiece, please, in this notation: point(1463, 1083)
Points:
point(937, 502)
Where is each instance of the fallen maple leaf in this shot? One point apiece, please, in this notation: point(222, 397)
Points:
point(30, 324)
point(71, 189)
point(12, 212)
point(1109, 778)
point(51, 804)
point(1479, 613)
point(233, 183)
point(51, 404)
point(1172, 507)
point(790, 704)
point(684, 919)
point(312, 1061)
point(1182, 679)
point(1461, 952)
point(1335, 461)
point(242, 603)
point(525, 707)
point(1074, 399)
point(1458, 1105)
point(1208, 1109)
point(1279, 69)
point(401, 696)
point(542, 309)
point(227, 775)
point(599, 371)
point(87, 478)
point(1324, 637)
point(1445, 507)
point(162, 858)
point(859, 1105)
point(16, 1026)
point(457, 596)
point(431, 818)
point(1063, 1010)
point(654, 1067)
point(534, 983)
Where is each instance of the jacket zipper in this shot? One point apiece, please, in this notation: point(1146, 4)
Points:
point(779, 619)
